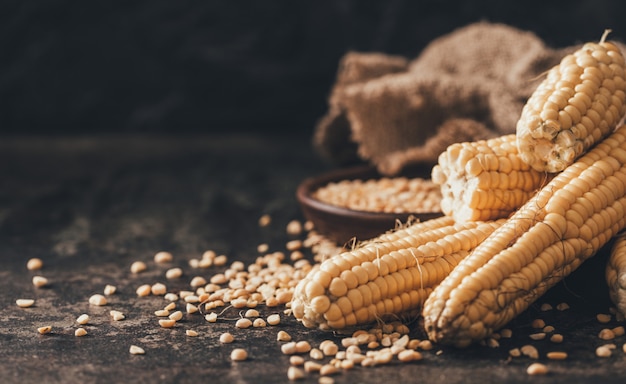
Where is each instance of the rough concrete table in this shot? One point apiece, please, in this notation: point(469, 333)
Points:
point(89, 207)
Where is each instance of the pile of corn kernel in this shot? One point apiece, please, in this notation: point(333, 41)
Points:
point(389, 195)
point(269, 283)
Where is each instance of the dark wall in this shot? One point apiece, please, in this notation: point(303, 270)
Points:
point(77, 67)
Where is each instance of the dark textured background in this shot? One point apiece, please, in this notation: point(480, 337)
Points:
point(198, 66)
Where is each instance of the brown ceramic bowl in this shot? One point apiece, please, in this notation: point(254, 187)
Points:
point(343, 224)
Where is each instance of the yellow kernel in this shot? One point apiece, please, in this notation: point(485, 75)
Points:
point(537, 369)
point(562, 307)
point(83, 319)
point(294, 227)
point(143, 290)
point(40, 281)
point(618, 331)
point(603, 351)
point(162, 313)
point(515, 352)
point(158, 289)
point(546, 307)
point(211, 317)
point(265, 220)
point(176, 316)
point(283, 336)
point(251, 313)
point(190, 308)
point(557, 355)
point(198, 281)
point(98, 300)
point(109, 289)
point(296, 360)
point(243, 323)
point(293, 245)
point(330, 349)
point(173, 273)
point(538, 336)
point(530, 351)
point(138, 267)
point(295, 373)
point(606, 334)
point(425, 345)
point(312, 366)
point(325, 379)
point(548, 329)
point(238, 354)
point(191, 333)
point(328, 369)
point(163, 257)
point(603, 318)
point(34, 264)
point(273, 319)
point(167, 323)
point(409, 355)
point(259, 323)
point(24, 303)
point(262, 248)
point(556, 338)
point(538, 323)
point(45, 329)
point(226, 338)
point(506, 333)
point(220, 260)
point(303, 346)
point(117, 315)
point(135, 350)
point(80, 332)
point(288, 348)
point(316, 354)
point(171, 296)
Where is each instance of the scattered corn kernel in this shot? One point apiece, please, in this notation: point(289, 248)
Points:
point(273, 319)
point(288, 348)
point(135, 350)
point(530, 351)
point(295, 373)
point(143, 290)
point(158, 289)
point(80, 332)
point(117, 315)
point(263, 248)
point(45, 329)
point(190, 308)
point(109, 289)
point(265, 220)
point(548, 329)
point(606, 334)
point(294, 227)
point(251, 313)
point(537, 336)
point(316, 354)
point(162, 313)
point(226, 338)
point(138, 267)
point(537, 369)
point(211, 317)
point(171, 296)
point(167, 323)
point(303, 346)
point(173, 273)
point(259, 323)
point(83, 319)
point(515, 352)
point(163, 257)
point(191, 333)
point(239, 354)
point(176, 316)
point(34, 264)
point(24, 303)
point(325, 380)
point(40, 281)
point(296, 360)
point(328, 369)
point(556, 338)
point(545, 307)
point(98, 300)
point(618, 331)
point(506, 333)
point(538, 323)
point(603, 351)
point(220, 260)
point(243, 323)
point(283, 336)
point(556, 355)
point(603, 318)
point(197, 281)
point(562, 307)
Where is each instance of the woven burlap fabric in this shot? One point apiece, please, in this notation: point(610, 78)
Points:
point(395, 113)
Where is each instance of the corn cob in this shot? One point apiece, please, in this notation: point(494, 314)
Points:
point(565, 223)
point(580, 102)
point(386, 277)
point(616, 273)
point(484, 180)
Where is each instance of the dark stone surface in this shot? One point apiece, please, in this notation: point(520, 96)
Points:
point(89, 207)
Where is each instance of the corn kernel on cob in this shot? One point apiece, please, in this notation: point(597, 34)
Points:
point(565, 223)
point(387, 276)
point(484, 180)
point(579, 103)
point(616, 273)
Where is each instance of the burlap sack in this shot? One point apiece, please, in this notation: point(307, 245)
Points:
point(468, 85)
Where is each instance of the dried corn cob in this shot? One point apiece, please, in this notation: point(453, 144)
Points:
point(388, 276)
point(484, 180)
point(616, 273)
point(565, 223)
point(580, 102)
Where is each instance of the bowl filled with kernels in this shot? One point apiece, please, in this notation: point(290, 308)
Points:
point(358, 203)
